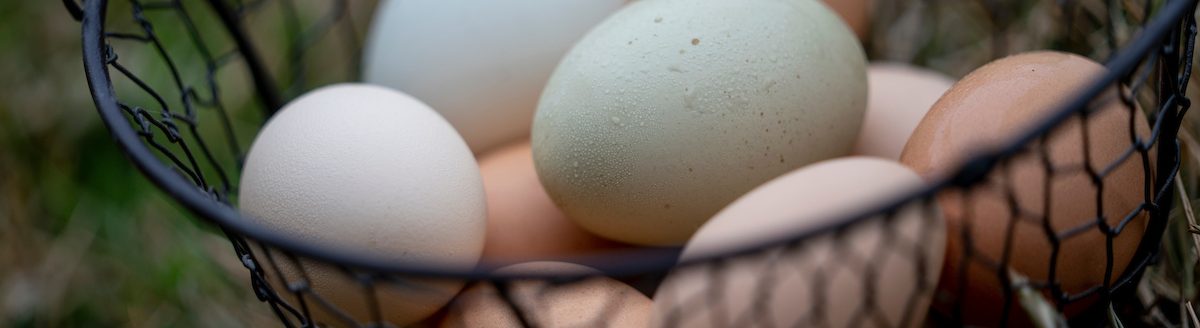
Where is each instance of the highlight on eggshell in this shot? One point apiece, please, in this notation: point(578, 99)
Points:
point(799, 201)
point(482, 64)
point(523, 223)
point(337, 167)
point(670, 109)
point(899, 95)
point(597, 300)
point(992, 105)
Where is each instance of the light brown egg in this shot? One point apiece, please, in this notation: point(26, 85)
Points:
point(898, 96)
point(522, 223)
point(347, 296)
point(993, 105)
point(594, 302)
point(856, 14)
point(826, 281)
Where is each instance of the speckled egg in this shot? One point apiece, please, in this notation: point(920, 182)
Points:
point(671, 109)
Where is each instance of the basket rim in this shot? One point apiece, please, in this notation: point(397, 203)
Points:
point(625, 262)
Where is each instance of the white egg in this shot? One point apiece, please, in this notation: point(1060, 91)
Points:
point(371, 170)
point(481, 63)
point(671, 109)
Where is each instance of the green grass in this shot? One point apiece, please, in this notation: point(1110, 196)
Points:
point(85, 240)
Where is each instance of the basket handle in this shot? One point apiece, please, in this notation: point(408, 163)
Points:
point(73, 8)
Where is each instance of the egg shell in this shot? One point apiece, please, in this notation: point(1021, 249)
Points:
point(671, 109)
point(481, 63)
point(856, 14)
point(993, 105)
point(899, 97)
point(823, 281)
point(594, 302)
point(370, 170)
point(523, 224)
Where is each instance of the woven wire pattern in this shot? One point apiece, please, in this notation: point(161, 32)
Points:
point(166, 114)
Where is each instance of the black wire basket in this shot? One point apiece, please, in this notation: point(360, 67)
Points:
point(181, 129)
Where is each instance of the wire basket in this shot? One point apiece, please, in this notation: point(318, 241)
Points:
point(173, 108)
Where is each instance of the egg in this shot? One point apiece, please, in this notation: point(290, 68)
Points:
point(670, 109)
point(481, 63)
point(825, 281)
point(593, 302)
point(523, 224)
point(993, 105)
point(899, 95)
point(369, 170)
point(856, 14)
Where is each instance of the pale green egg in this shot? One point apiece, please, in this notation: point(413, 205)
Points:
point(671, 109)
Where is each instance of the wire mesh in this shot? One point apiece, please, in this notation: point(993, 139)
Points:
point(181, 122)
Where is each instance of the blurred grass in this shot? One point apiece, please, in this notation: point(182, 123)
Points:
point(85, 240)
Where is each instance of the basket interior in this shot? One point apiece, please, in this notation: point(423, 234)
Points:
point(185, 86)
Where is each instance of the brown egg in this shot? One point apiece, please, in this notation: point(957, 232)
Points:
point(522, 223)
point(593, 302)
point(856, 14)
point(992, 105)
point(898, 96)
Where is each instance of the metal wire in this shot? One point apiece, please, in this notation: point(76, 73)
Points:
point(157, 122)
